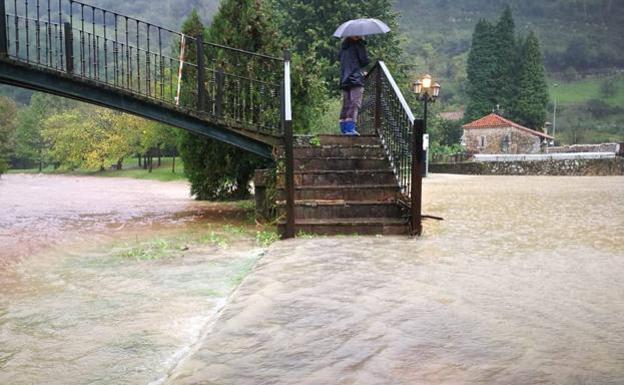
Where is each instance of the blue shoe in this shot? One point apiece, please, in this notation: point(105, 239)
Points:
point(350, 129)
point(343, 127)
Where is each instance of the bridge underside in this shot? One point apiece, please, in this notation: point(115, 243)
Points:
point(58, 83)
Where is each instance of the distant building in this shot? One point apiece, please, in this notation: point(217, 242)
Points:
point(494, 134)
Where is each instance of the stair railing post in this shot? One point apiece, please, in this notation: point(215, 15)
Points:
point(219, 80)
point(3, 31)
point(288, 150)
point(69, 47)
point(377, 119)
point(416, 193)
point(201, 89)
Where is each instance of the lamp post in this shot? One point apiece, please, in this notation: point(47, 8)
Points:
point(427, 91)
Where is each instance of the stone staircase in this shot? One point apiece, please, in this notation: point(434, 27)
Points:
point(344, 185)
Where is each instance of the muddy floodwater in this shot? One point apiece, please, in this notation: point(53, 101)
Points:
point(520, 284)
point(110, 281)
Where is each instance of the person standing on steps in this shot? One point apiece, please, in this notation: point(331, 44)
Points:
point(353, 58)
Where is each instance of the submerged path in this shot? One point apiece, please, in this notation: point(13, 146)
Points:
point(520, 284)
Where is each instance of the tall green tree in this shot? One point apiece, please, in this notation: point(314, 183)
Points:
point(482, 65)
point(506, 57)
point(309, 25)
point(217, 170)
point(532, 99)
point(8, 112)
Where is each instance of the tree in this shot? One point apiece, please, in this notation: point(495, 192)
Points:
point(31, 146)
point(91, 137)
point(308, 27)
point(67, 134)
point(532, 98)
point(482, 65)
point(8, 112)
point(506, 57)
point(217, 170)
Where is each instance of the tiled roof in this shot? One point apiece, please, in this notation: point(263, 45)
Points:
point(496, 121)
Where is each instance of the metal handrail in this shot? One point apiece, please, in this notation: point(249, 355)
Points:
point(385, 112)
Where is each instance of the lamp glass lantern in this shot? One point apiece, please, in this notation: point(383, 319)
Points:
point(417, 87)
point(426, 82)
point(436, 90)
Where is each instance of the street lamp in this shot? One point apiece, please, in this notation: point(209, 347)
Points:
point(428, 91)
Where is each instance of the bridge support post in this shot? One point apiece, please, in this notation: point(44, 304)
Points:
point(289, 151)
point(68, 38)
point(201, 71)
point(417, 168)
point(3, 34)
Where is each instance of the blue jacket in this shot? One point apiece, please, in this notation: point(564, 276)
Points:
point(353, 57)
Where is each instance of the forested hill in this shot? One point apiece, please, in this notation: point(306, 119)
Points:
point(581, 34)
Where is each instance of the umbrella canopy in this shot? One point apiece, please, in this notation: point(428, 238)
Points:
point(361, 27)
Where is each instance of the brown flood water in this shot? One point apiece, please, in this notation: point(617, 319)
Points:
point(80, 304)
point(38, 212)
point(521, 284)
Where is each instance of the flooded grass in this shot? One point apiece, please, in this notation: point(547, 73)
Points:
point(176, 246)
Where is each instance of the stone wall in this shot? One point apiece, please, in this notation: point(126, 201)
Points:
point(500, 141)
point(572, 167)
point(603, 147)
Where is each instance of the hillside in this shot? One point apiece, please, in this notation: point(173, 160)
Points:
point(567, 29)
point(439, 31)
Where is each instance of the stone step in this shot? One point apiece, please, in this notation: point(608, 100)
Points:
point(379, 193)
point(340, 209)
point(339, 177)
point(342, 140)
point(345, 151)
point(342, 163)
point(349, 226)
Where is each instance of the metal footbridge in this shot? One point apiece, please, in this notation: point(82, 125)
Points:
point(83, 52)
point(80, 51)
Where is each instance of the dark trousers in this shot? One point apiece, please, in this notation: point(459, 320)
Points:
point(351, 103)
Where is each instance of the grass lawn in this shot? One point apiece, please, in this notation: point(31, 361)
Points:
point(581, 91)
point(130, 170)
